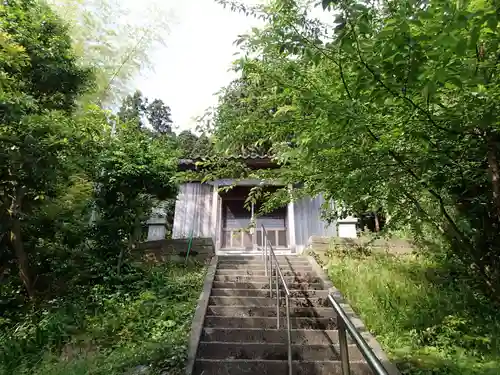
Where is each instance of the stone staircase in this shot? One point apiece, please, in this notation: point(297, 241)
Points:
point(239, 334)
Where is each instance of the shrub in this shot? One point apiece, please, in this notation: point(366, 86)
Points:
point(426, 315)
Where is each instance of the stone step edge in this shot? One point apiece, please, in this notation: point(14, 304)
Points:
point(264, 286)
point(257, 263)
point(225, 361)
point(322, 308)
point(269, 329)
point(263, 265)
point(264, 277)
point(253, 269)
point(246, 267)
point(273, 335)
point(254, 343)
point(301, 264)
point(248, 276)
point(268, 298)
point(270, 304)
point(268, 317)
point(242, 274)
point(274, 296)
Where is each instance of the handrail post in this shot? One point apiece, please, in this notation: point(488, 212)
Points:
point(277, 301)
point(289, 334)
point(344, 349)
point(265, 249)
point(262, 239)
point(345, 325)
point(270, 273)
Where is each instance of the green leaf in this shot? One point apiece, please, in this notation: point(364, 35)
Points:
point(429, 90)
point(170, 323)
point(326, 3)
point(284, 110)
point(456, 81)
point(339, 27)
point(474, 37)
point(492, 21)
point(364, 26)
point(447, 41)
point(461, 47)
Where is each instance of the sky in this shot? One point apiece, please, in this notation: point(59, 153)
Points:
point(195, 63)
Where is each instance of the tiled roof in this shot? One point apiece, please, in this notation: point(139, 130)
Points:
point(249, 156)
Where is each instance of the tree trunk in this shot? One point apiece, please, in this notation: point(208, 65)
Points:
point(137, 234)
point(120, 260)
point(22, 257)
point(17, 244)
point(377, 223)
point(132, 242)
point(495, 175)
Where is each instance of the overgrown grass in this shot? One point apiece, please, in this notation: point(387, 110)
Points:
point(426, 316)
point(107, 329)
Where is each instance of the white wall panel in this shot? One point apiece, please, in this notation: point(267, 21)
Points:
point(308, 222)
point(193, 211)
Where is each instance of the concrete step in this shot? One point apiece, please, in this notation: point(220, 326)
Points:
point(251, 311)
point(269, 302)
point(299, 336)
point(266, 323)
point(266, 351)
point(244, 272)
point(248, 367)
point(264, 285)
point(260, 267)
point(298, 262)
point(263, 279)
point(258, 258)
point(295, 293)
point(240, 253)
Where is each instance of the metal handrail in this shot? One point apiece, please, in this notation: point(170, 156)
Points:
point(278, 275)
point(345, 325)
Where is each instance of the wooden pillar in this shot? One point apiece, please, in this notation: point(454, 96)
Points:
point(215, 216)
point(291, 222)
point(254, 229)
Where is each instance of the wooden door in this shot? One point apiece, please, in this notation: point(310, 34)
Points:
point(236, 220)
point(275, 223)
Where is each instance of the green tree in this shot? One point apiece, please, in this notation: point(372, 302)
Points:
point(38, 140)
point(159, 117)
point(203, 146)
point(186, 142)
point(116, 39)
point(239, 107)
point(137, 109)
point(132, 172)
point(133, 109)
point(393, 107)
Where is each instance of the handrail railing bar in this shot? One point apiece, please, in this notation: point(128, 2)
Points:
point(278, 276)
point(346, 325)
point(287, 291)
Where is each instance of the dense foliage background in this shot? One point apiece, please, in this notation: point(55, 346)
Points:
point(77, 183)
point(385, 106)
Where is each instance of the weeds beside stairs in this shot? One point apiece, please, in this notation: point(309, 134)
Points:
point(239, 332)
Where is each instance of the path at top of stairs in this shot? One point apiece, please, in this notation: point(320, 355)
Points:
point(240, 334)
